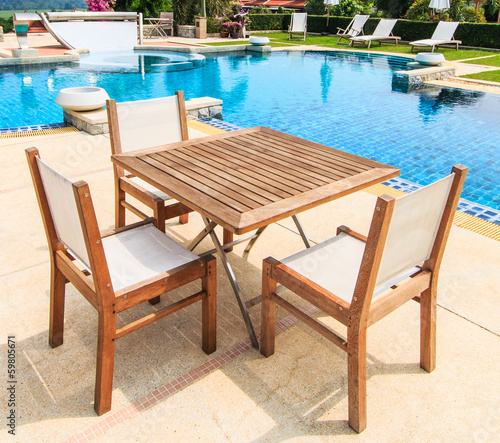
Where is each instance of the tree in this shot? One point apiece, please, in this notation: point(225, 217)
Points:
point(150, 8)
point(394, 8)
point(315, 7)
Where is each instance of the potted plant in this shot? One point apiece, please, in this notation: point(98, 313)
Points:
point(234, 29)
point(221, 23)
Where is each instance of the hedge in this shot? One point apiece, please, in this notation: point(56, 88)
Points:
point(481, 35)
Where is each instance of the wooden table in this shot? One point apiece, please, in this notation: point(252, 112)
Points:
point(247, 179)
point(157, 26)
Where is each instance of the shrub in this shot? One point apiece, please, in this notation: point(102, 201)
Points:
point(419, 10)
point(490, 8)
point(7, 25)
point(472, 16)
point(393, 8)
point(261, 9)
point(268, 22)
point(349, 8)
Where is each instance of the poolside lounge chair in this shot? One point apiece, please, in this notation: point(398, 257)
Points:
point(139, 125)
point(383, 32)
point(354, 28)
point(359, 280)
point(114, 271)
point(298, 25)
point(443, 35)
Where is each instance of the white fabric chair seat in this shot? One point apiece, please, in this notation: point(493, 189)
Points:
point(150, 188)
point(430, 42)
point(334, 265)
point(142, 253)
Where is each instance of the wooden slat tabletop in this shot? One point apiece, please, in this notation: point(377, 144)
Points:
point(253, 177)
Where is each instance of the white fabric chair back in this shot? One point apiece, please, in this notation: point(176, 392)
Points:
point(357, 25)
point(445, 31)
point(299, 22)
point(385, 27)
point(148, 123)
point(61, 199)
point(413, 229)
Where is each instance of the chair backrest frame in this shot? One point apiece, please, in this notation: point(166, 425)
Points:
point(169, 15)
point(376, 242)
point(90, 230)
point(114, 127)
point(357, 24)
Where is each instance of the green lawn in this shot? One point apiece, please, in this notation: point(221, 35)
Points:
point(281, 39)
point(490, 76)
point(490, 61)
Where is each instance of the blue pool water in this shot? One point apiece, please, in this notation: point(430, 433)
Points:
point(342, 100)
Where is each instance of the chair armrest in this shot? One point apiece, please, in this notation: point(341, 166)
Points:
point(351, 233)
point(111, 232)
point(340, 29)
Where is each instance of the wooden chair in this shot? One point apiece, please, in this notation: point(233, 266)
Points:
point(139, 125)
point(169, 25)
point(128, 266)
point(358, 280)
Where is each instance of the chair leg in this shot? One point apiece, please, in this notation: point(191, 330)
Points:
point(428, 314)
point(56, 322)
point(356, 375)
point(183, 219)
point(105, 361)
point(268, 312)
point(159, 214)
point(119, 208)
point(209, 308)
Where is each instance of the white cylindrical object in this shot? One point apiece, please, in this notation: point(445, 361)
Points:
point(82, 98)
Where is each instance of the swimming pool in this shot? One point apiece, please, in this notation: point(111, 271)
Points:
point(344, 100)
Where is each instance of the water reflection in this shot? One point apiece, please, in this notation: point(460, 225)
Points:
point(440, 100)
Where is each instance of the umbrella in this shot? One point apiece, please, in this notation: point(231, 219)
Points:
point(439, 4)
point(329, 4)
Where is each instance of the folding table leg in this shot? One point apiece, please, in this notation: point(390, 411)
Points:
point(253, 240)
point(234, 283)
point(302, 232)
point(197, 240)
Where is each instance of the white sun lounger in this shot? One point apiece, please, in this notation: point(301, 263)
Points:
point(443, 35)
point(383, 32)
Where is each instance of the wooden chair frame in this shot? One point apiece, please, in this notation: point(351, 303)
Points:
point(100, 293)
point(361, 313)
point(162, 209)
point(350, 31)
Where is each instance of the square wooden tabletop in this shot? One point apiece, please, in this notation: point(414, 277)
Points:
point(250, 178)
